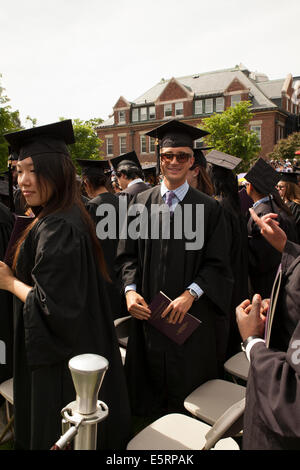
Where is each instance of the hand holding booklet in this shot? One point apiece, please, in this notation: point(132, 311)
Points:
point(178, 332)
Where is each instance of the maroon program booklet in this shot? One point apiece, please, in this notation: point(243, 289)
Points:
point(178, 332)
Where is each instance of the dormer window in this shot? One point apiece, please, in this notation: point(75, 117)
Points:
point(179, 109)
point(122, 117)
point(168, 110)
point(235, 99)
point(143, 114)
point(219, 104)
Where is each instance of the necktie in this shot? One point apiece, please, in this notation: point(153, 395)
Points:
point(169, 198)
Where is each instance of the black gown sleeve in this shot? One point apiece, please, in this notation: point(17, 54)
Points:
point(275, 374)
point(54, 306)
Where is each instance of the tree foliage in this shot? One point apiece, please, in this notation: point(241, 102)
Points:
point(87, 145)
point(229, 133)
point(286, 148)
point(9, 122)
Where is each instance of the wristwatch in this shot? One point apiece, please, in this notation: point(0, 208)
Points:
point(245, 343)
point(193, 293)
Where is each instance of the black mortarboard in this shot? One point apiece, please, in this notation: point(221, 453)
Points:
point(130, 157)
point(149, 169)
point(94, 166)
point(199, 157)
point(263, 177)
point(223, 159)
point(175, 133)
point(289, 177)
point(42, 140)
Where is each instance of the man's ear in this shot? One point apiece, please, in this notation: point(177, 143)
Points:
point(192, 160)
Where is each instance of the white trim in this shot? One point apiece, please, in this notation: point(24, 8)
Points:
point(178, 100)
point(255, 123)
point(239, 92)
point(124, 134)
point(109, 136)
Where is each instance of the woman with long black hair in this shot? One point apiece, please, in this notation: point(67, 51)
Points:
point(61, 309)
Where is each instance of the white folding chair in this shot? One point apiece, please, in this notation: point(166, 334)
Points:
point(178, 432)
point(238, 366)
point(6, 390)
point(210, 400)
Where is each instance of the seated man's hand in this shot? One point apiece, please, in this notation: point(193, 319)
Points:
point(251, 317)
point(137, 306)
point(178, 308)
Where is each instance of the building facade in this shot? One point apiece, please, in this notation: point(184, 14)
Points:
point(275, 107)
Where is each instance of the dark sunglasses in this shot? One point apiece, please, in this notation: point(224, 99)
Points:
point(180, 157)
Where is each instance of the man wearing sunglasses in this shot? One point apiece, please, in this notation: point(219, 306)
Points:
point(161, 373)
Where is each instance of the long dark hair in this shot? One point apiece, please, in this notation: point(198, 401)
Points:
point(204, 183)
point(58, 172)
point(226, 185)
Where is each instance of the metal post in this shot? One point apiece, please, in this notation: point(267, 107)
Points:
point(86, 412)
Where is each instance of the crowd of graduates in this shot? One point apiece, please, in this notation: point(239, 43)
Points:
point(63, 283)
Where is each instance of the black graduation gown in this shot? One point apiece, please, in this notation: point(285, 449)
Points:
point(6, 299)
point(295, 208)
point(238, 239)
point(134, 189)
point(65, 314)
point(156, 367)
point(263, 258)
point(272, 415)
point(109, 247)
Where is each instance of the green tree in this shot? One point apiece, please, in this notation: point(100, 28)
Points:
point(286, 148)
point(9, 122)
point(229, 133)
point(87, 145)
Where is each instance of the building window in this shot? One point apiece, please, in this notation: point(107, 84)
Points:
point(122, 116)
point(152, 114)
point(122, 143)
point(151, 145)
point(235, 99)
point(219, 104)
point(198, 107)
point(257, 130)
point(135, 115)
point(209, 106)
point(143, 144)
point(167, 110)
point(178, 109)
point(144, 116)
point(109, 146)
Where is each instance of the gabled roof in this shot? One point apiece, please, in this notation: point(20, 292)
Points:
point(209, 83)
point(272, 88)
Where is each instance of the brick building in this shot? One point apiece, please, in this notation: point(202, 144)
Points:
point(191, 98)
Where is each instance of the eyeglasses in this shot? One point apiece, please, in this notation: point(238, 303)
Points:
point(180, 157)
point(280, 187)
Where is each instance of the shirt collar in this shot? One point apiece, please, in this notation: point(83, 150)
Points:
point(137, 180)
point(264, 199)
point(180, 192)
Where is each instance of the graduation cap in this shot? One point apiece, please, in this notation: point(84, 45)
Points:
point(149, 169)
point(42, 140)
point(263, 176)
point(94, 166)
point(175, 133)
point(223, 160)
point(126, 158)
point(289, 177)
point(199, 157)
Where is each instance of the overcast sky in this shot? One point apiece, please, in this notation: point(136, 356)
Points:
point(74, 58)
